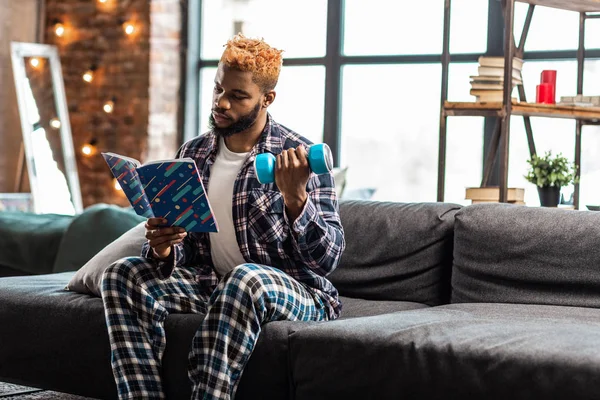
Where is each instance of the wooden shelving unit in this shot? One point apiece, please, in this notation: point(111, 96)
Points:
point(570, 5)
point(589, 114)
point(508, 107)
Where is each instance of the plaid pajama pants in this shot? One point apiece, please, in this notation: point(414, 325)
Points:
point(137, 302)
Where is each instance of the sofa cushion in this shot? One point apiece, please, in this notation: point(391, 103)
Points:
point(512, 254)
point(465, 351)
point(355, 308)
point(88, 278)
point(59, 341)
point(29, 242)
point(266, 375)
point(396, 251)
point(90, 232)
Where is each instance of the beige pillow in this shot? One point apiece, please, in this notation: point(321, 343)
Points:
point(87, 278)
point(339, 177)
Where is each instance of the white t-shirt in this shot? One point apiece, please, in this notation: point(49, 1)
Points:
point(224, 248)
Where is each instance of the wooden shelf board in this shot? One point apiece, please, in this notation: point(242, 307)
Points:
point(527, 109)
point(571, 5)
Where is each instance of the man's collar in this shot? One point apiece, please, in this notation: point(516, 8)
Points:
point(270, 140)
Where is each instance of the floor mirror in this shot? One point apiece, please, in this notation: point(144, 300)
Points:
point(47, 140)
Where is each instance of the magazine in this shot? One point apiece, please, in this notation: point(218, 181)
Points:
point(170, 189)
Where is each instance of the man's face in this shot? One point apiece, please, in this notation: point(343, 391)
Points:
point(237, 102)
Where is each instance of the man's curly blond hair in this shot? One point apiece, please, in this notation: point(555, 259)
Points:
point(255, 56)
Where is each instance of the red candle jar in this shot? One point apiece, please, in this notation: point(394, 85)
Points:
point(549, 76)
point(545, 94)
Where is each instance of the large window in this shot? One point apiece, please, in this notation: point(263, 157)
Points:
point(464, 141)
point(369, 85)
point(592, 33)
point(386, 147)
point(380, 27)
point(391, 105)
point(385, 27)
point(282, 23)
point(553, 29)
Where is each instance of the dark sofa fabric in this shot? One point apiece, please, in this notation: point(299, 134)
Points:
point(396, 251)
point(394, 339)
point(461, 351)
point(52, 338)
point(6, 271)
point(29, 242)
point(354, 308)
point(512, 254)
point(58, 340)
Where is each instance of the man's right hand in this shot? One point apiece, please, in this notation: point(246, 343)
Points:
point(161, 239)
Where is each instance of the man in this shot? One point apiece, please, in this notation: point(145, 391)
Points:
point(276, 243)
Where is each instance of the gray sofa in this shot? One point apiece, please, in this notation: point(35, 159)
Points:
point(487, 301)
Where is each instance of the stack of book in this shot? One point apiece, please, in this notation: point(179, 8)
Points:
point(491, 194)
point(580, 100)
point(488, 85)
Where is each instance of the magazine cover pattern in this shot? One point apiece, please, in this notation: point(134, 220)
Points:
point(175, 192)
point(127, 176)
point(170, 189)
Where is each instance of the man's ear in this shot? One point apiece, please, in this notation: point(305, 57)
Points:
point(269, 98)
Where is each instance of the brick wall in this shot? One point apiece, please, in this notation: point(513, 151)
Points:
point(143, 124)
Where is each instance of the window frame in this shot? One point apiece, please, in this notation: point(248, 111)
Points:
point(334, 60)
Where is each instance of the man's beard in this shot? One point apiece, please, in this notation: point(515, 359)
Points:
point(245, 122)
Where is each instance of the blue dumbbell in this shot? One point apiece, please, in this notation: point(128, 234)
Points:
point(319, 160)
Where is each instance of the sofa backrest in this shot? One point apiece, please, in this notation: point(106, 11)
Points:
point(513, 254)
point(396, 251)
point(29, 242)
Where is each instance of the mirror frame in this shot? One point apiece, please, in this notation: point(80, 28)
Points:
point(19, 51)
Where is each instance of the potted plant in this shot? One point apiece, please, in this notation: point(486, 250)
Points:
point(550, 173)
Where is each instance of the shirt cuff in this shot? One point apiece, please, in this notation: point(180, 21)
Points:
point(299, 226)
point(165, 267)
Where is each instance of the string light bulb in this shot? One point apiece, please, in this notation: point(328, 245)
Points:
point(109, 106)
point(102, 1)
point(129, 28)
point(86, 149)
point(35, 62)
point(59, 28)
point(55, 123)
point(88, 76)
point(89, 149)
point(127, 25)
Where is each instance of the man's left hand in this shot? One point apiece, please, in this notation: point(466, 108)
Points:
point(291, 175)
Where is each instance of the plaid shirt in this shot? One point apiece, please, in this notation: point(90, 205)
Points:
point(307, 249)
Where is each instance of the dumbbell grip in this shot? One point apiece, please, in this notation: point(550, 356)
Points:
point(319, 160)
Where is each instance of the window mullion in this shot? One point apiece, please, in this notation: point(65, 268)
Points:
point(331, 124)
